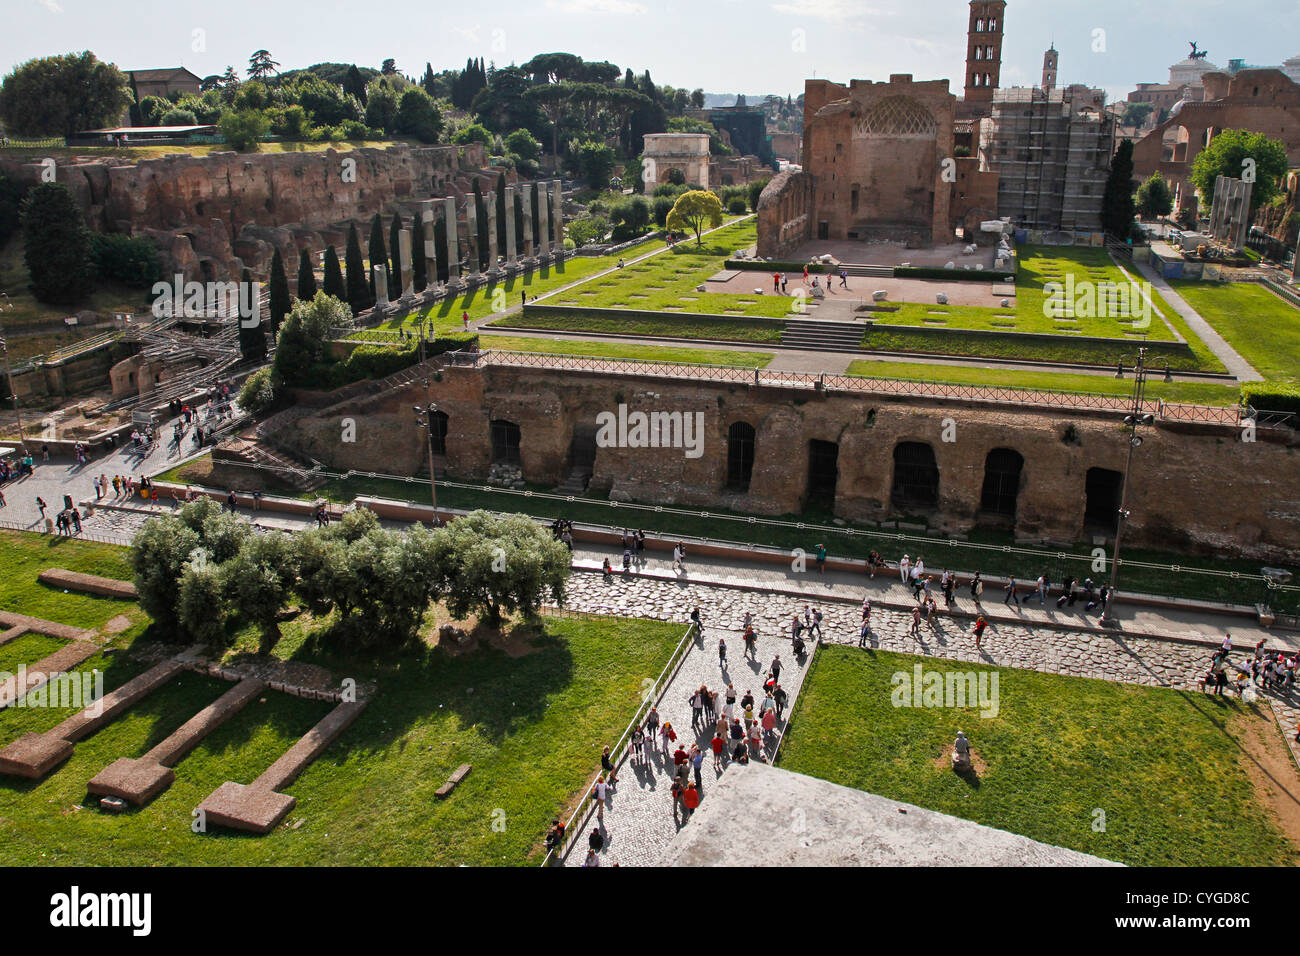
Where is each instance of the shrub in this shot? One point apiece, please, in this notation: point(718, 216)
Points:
point(663, 205)
point(260, 391)
point(178, 117)
point(737, 206)
point(131, 260)
point(1273, 397)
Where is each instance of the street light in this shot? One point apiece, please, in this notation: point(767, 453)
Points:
point(9, 376)
point(424, 418)
point(1135, 418)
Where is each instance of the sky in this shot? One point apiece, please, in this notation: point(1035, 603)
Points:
point(724, 46)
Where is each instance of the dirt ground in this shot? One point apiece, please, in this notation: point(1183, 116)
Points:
point(1267, 759)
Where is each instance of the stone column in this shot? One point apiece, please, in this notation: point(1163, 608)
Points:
point(557, 215)
point(510, 228)
point(430, 250)
point(381, 286)
point(544, 220)
point(471, 234)
point(526, 197)
point(453, 241)
point(490, 209)
point(404, 259)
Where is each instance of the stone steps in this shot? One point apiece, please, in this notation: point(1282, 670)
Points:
point(823, 336)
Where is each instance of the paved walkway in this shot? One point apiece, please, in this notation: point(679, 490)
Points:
point(1216, 343)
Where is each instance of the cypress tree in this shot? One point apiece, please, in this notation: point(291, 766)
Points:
point(1117, 205)
point(519, 219)
point(334, 284)
point(419, 267)
point(306, 277)
point(252, 340)
point(378, 255)
point(394, 243)
point(56, 245)
point(279, 293)
point(359, 296)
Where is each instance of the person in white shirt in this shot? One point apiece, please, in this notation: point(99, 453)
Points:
point(903, 567)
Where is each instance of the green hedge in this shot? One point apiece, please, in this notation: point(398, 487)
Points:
point(1272, 396)
point(956, 275)
point(758, 265)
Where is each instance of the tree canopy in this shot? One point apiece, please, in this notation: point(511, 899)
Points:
point(695, 211)
point(1239, 154)
point(60, 95)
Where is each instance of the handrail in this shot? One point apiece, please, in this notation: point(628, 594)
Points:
point(653, 695)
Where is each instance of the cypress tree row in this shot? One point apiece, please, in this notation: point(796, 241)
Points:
point(279, 293)
point(334, 284)
point(359, 296)
point(306, 277)
point(378, 254)
point(519, 219)
point(440, 249)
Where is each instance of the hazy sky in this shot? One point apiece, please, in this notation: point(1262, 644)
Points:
point(752, 46)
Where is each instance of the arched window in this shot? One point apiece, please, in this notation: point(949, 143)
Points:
point(979, 25)
point(740, 456)
point(986, 80)
point(916, 476)
point(979, 53)
point(1002, 469)
point(993, 24)
point(438, 433)
point(988, 53)
point(505, 442)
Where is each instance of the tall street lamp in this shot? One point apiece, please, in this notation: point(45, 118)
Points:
point(1135, 418)
point(9, 376)
point(424, 418)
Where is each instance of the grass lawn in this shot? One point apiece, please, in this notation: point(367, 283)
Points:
point(108, 297)
point(630, 350)
point(27, 649)
point(666, 324)
point(1263, 328)
point(1165, 766)
point(531, 721)
point(1196, 393)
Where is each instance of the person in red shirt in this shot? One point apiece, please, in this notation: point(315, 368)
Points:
point(690, 799)
point(776, 282)
point(718, 744)
point(980, 624)
point(679, 757)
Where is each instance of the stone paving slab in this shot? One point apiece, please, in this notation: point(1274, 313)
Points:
point(136, 781)
point(250, 808)
point(33, 756)
point(49, 628)
point(88, 583)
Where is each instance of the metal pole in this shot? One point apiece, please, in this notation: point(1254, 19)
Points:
point(1135, 419)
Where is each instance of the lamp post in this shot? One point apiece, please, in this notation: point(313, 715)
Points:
point(424, 418)
point(1132, 420)
point(9, 376)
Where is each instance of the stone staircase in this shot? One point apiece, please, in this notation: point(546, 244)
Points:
point(875, 272)
point(256, 455)
point(823, 336)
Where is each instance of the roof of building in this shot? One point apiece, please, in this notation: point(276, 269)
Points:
point(155, 130)
point(164, 73)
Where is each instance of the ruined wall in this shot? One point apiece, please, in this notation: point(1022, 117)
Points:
point(784, 214)
point(1191, 489)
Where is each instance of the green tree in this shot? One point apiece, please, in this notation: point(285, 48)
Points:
point(1238, 154)
point(418, 117)
point(588, 230)
point(419, 265)
point(695, 211)
point(755, 191)
point(303, 346)
point(60, 95)
point(259, 581)
point(279, 293)
point(56, 245)
point(354, 85)
point(493, 564)
point(522, 144)
point(1135, 114)
point(1154, 197)
point(260, 65)
point(179, 117)
point(360, 296)
point(11, 198)
point(595, 162)
point(473, 133)
point(244, 129)
point(378, 253)
point(306, 276)
point(1117, 206)
point(480, 213)
point(259, 391)
point(201, 606)
point(333, 283)
point(130, 260)
point(159, 553)
point(382, 104)
point(252, 340)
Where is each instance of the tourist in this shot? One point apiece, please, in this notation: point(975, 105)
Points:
point(903, 567)
point(1067, 592)
point(864, 634)
point(712, 707)
point(775, 669)
point(230, 500)
point(607, 572)
point(821, 559)
point(697, 764)
point(596, 842)
point(635, 746)
point(464, 318)
point(784, 280)
point(873, 559)
point(717, 745)
point(722, 653)
point(607, 764)
point(40, 503)
point(916, 622)
point(737, 733)
point(844, 278)
point(667, 736)
point(1042, 589)
point(805, 275)
point(679, 557)
point(652, 723)
point(697, 622)
point(751, 643)
point(690, 800)
point(776, 282)
point(781, 697)
point(1011, 592)
point(555, 837)
point(598, 794)
point(697, 710)
point(980, 625)
point(976, 588)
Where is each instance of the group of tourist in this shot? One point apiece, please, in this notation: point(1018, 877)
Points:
point(124, 486)
point(562, 530)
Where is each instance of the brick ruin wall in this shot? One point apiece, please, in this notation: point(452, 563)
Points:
point(213, 215)
point(1201, 488)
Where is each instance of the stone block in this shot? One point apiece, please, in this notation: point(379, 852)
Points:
point(34, 755)
point(135, 780)
point(241, 807)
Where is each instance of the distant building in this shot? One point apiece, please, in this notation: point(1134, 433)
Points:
point(664, 152)
point(164, 82)
point(984, 36)
point(1051, 150)
point(744, 128)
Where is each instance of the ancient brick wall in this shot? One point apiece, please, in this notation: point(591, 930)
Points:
point(784, 208)
point(1203, 489)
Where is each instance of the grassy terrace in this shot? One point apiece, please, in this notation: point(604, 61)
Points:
point(1196, 393)
point(723, 525)
point(626, 350)
point(157, 152)
point(1263, 328)
point(530, 712)
point(1169, 769)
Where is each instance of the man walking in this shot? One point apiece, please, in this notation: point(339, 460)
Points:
point(1011, 592)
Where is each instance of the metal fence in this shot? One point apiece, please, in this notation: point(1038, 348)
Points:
point(850, 384)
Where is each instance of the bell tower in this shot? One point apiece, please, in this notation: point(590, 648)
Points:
point(1050, 60)
point(983, 53)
